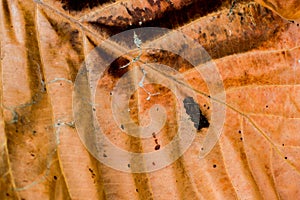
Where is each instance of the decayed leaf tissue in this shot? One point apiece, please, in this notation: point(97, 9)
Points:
point(150, 99)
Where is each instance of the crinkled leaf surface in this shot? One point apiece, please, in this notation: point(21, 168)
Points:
point(44, 43)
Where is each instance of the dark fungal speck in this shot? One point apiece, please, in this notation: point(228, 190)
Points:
point(285, 157)
point(214, 166)
point(55, 177)
point(240, 131)
point(122, 126)
point(128, 165)
point(157, 147)
point(136, 190)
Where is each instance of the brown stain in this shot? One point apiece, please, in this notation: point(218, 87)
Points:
point(115, 69)
point(156, 16)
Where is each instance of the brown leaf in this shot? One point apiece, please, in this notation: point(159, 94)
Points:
point(45, 45)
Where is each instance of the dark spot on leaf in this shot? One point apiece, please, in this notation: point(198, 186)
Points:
point(94, 109)
point(240, 131)
point(283, 145)
point(153, 163)
point(55, 178)
point(214, 166)
point(267, 106)
point(285, 157)
point(153, 135)
point(7, 194)
point(193, 110)
point(122, 126)
point(136, 190)
point(157, 147)
point(128, 165)
point(241, 139)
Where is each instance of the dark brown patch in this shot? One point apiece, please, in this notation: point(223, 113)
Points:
point(193, 110)
point(115, 69)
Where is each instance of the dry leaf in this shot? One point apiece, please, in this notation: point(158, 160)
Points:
point(44, 45)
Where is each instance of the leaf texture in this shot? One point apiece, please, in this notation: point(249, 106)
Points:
point(45, 43)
